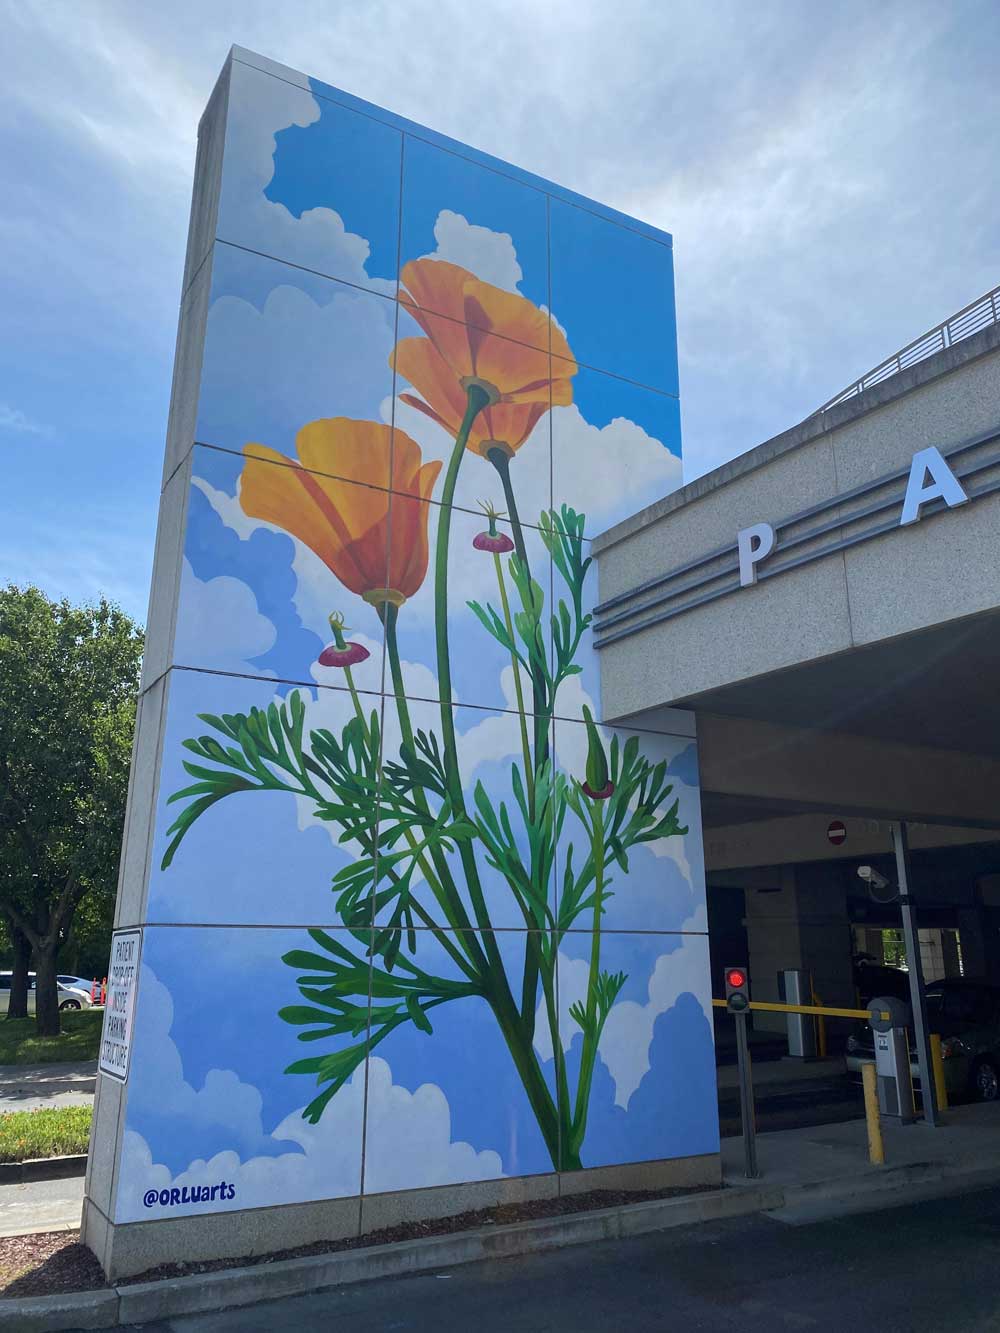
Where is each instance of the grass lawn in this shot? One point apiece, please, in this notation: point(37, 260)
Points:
point(79, 1039)
point(51, 1132)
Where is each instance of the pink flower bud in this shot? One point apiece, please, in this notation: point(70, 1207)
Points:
point(350, 655)
point(498, 542)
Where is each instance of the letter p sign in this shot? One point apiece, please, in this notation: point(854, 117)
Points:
point(753, 544)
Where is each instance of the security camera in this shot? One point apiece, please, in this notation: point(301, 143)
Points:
point(871, 876)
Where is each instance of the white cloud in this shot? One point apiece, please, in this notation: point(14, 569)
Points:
point(490, 255)
point(608, 473)
point(305, 360)
point(219, 625)
point(260, 106)
point(628, 1031)
point(409, 1144)
point(230, 510)
point(409, 1134)
point(158, 1086)
point(18, 423)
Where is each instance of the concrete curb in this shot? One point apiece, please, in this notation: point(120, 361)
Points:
point(231, 1288)
point(43, 1168)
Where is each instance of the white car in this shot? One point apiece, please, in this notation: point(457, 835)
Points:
point(81, 988)
point(68, 998)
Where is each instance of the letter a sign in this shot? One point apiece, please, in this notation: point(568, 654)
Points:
point(942, 485)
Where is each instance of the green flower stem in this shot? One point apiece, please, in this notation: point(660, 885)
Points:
point(501, 461)
point(558, 1054)
point(478, 398)
point(441, 934)
point(498, 988)
point(390, 616)
point(349, 677)
point(526, 1062)
point(440, 885)
point(591, 1033)
point(529, 770)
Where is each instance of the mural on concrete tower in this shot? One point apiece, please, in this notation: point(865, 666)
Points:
point(412, 903)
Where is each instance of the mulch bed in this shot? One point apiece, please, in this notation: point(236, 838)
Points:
point(46, 1263)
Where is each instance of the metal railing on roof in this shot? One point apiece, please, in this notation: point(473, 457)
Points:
point(979, 315)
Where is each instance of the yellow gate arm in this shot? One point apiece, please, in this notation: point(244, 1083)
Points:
point(823, 1009)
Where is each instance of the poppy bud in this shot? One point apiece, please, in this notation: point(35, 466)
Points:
point(497, 542)
point(340, 653)
point(598, 785)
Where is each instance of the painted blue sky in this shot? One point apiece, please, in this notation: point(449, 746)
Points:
point(828, 182)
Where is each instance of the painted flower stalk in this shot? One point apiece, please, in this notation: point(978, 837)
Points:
point(487, 367)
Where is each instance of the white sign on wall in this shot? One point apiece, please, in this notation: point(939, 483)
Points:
point(123, 979)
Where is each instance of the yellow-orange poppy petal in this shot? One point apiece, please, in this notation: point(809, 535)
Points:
point(412, 400)
point(559, 347)
point(310, 508)
point(410, 474)
point(435, 284)
point(507, 313)
point(512, 423)
point(562, 393)
point(420, 362)
point(410, 547)
point(510, 366)
point(342, 447)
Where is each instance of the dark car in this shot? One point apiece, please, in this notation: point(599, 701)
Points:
point(966, 1015)
point(871, 979)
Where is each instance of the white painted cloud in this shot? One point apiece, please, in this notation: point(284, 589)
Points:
point(608, 473)
point(260, 106)
point(628, 1031)
point(409, 1144)
point(490, 255)
point(230, 510)
point(269, 371)
point(219, 625)
point(158, 1085)
point(409, 1134)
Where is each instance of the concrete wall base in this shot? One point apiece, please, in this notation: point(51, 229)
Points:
point(133, 1247)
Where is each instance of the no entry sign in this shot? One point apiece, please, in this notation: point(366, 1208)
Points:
point(836, 832)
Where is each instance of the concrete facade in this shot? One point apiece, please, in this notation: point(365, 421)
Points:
point(939, 570)
point(313, 474)
point(854, 682)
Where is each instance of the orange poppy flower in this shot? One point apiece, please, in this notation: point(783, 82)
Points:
point(477, 333)
point(319, 500)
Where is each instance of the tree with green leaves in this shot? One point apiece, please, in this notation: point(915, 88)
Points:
point(69, 678)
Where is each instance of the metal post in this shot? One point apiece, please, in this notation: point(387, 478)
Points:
point(940, 1086)
point(746, 1098)
point(918, 1002)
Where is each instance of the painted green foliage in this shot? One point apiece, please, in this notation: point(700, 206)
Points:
point(418, 837)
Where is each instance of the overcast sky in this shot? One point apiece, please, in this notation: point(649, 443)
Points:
point(829, 176)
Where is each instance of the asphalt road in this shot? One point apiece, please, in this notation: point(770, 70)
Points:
point(932, 1266)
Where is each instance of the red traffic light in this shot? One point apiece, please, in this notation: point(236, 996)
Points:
point(736, 977)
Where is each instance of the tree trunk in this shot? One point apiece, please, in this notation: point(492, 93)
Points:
point(46, 989)
point(18, 1007)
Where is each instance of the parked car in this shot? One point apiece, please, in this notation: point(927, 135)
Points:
point(76, 983)
point(68, 998)
point(873, 979)
point(81, 988)
point(966, 1015)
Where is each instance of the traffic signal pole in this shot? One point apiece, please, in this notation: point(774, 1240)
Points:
point(746, 1097)
point(737, 982)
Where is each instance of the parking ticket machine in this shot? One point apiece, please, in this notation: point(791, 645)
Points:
point(892, 1057)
